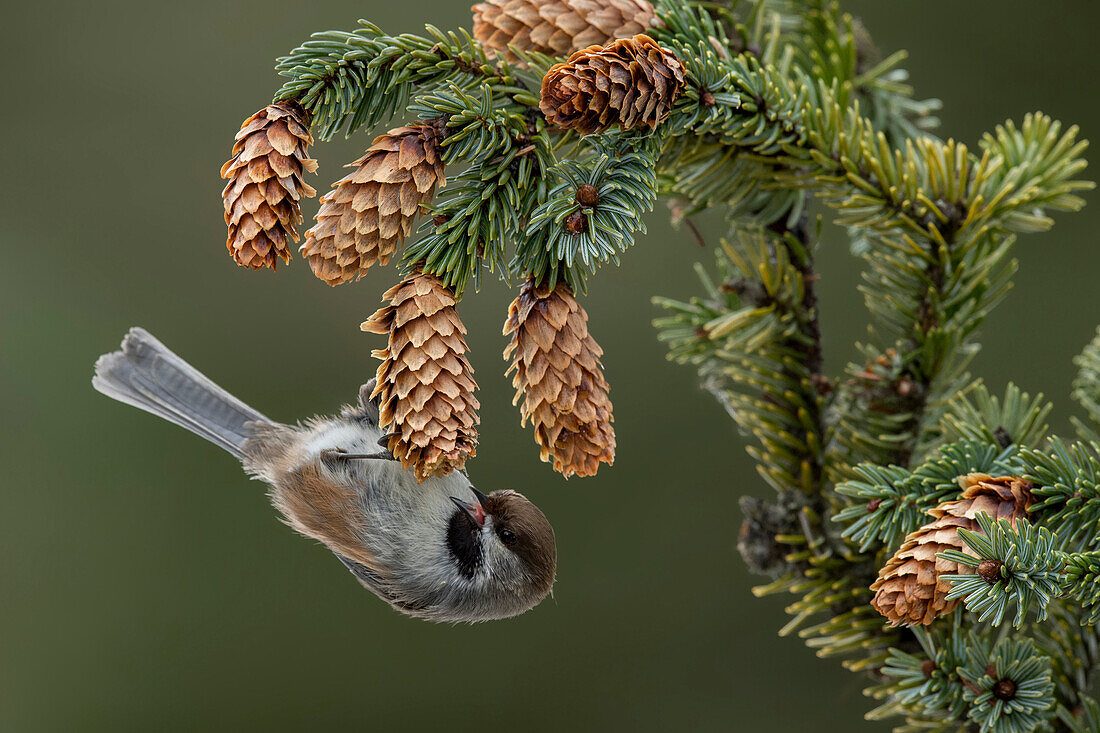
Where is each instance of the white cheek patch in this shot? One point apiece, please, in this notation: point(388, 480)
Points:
point(493, 550)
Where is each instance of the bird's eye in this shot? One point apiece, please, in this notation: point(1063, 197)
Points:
point(507, 536)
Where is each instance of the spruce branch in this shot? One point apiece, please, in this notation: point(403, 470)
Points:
point(1067, 486)
point(1086, 390)
point(833, 45)
point(755, 339)
point(1020, 565)
point(924, 686)
point(349, 80)
point(936, 216)
point(1014, 419)
point(1014, 565)
point(892, 502)
point(937, 257)
point(485, 207)
point(1008, 687)
point(1083, 719)
point(592, 210)
point(767, 374)
point(1082, 582)
point(889, 510)
point(1074, 649)
point(784, 100)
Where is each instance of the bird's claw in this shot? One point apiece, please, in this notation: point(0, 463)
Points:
point(339, 454)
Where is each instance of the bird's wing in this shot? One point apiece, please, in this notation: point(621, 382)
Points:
point(326, 511)
point(380, 585)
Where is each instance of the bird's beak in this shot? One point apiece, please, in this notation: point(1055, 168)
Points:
point(473, 510)
point(481, 498)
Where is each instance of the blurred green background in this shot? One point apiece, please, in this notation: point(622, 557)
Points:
point(145, 584)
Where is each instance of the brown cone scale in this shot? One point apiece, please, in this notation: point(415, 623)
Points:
point(263, 198)
point(370, 211)
point(557, 27)
point(909, 589)
point(425, 382)
point(631, 83)
point(559, 378)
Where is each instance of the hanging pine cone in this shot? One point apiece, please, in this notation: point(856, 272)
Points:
point(368, 212)
point(425, 383)
point(263, 197)
point(909, 589)
point(560, 379)
point(629, 83)
point(557, 27)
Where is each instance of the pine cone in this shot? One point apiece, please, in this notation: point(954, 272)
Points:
point(557, 27)
point(559, 376)
point(909, 589)
point(263, 197)
point(367, 214)
point(629, 83)
point(425, 383)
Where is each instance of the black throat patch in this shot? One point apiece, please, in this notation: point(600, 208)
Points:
point(464, 542)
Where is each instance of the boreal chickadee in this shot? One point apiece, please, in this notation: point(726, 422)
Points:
point(440, 550)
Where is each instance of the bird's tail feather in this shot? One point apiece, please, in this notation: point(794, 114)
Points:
point(147, 375)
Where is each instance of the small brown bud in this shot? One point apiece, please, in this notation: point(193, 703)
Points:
point(905, 387)
point(439, 124)
point(873, 504)
point(706, 99)
point(576, 223)
point(1004, 690)
point(440, 219)
point(749, 291)
point(927, 667)
point(822, 384)
point(990, 571)
point(588, 195)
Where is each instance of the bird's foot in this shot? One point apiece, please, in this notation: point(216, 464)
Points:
point(339, 454)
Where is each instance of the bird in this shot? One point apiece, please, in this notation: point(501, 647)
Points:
point(440, 550)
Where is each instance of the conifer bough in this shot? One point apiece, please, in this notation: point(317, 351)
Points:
point(754, 108)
